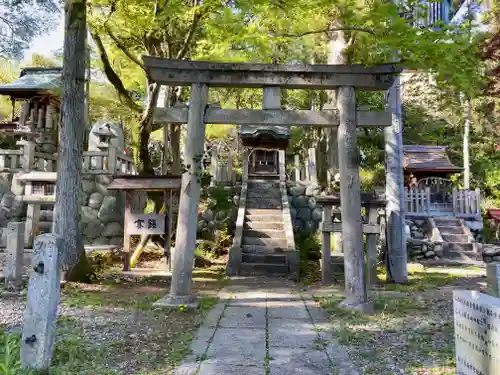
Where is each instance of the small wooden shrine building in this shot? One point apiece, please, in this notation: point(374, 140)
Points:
point(420, 162)
point(265, 142)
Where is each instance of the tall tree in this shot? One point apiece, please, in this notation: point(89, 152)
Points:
point(71, 138)
point(161, 28)
point(21, 21)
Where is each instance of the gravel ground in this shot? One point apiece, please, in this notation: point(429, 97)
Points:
point(412, 329)
point(111, 327)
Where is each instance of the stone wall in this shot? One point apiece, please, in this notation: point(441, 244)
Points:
point(418, 243)
point(102, 212)
point(304, 211)
point(211, 221)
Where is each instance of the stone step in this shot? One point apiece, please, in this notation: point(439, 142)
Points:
point(263, 211)
point(264, 194)
point(276, 225)
point(271, 242)
point(268, 258)
point(264, 269)
point(263, 177)
point(460, 247)
point(262, 249)
point(263, 205)
point(463, 255)
point(265, 218)
point(451, 230)
point(455, 237)
point(447, 221)
point(264, 233)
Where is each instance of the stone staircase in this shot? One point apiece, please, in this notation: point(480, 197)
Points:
point(461, 245)
point(264, 239)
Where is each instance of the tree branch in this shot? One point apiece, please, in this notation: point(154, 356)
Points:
point(122, 48)
point(112, 76)
point(189, 36)
point(343, 28)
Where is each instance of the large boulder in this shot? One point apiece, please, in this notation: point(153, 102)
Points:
point(93, 229)
point(300, 201)
point(88, 186)
point(95, 200)
point(113, 229)
point(304, 214)
point(88, 214)
point(297, 190)
point(109, 210)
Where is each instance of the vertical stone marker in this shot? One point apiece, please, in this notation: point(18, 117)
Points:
point(39, 326)
point(13, 269)
point(477, 333)
point(493, 279)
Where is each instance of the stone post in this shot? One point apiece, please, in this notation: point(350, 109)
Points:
point(311, 165)
point(296, 161)
point(493, 279)
point(326, 256)
point(13, 269)
point(371, 249)
point(350, 201)
point(214, 166)
point(39, 326)
point(397, 256)
point(185, 240)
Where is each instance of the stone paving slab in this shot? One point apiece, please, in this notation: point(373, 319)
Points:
point(241, 346)
point(243, 317)
point(291, 333)
point(265, 327)
point(221, 369)
point(285, 361)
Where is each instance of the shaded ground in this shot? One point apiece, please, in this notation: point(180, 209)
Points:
point(412, 329)
point(111, 327)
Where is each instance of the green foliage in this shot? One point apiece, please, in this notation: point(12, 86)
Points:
point(9, 354)
point(218, 198)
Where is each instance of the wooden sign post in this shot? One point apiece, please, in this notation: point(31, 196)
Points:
point(146, 224)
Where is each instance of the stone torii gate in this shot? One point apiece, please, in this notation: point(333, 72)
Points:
point(270, 77)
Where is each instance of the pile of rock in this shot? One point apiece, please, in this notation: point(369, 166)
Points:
point(102, 212)
point(209, 221)
point(304, 211)
point(491, 253)
point(418, 245)
point(424, 249)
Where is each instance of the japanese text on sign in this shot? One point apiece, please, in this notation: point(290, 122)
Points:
point(146, 224)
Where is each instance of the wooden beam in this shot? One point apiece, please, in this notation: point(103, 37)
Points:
point(337, 228)
point(184, 73)
point(145, 183)
point(278, 117)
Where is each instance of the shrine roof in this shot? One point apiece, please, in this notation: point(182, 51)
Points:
point(427, 158)
point(257, 131)
point(34, 81)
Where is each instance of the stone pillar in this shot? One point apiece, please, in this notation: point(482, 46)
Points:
point(397, 256)
point(214, 166)
point(13, 269)
point(185, 240)
point(350, 202)
point(311, 165)
point(296, 161)
point(493, 279)
point(39, 326)
point(326, 257)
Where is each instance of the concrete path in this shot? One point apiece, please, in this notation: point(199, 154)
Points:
point(265, 327)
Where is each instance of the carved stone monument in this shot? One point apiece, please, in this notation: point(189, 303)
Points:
point(13, 269)
point(477, 336)
point(493, 279)
point(39, 326)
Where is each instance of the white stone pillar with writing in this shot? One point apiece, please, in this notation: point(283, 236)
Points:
point(185, 240)
point(39, 325)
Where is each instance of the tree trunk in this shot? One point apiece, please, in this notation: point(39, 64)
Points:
point(466, 144)
point(72, 131)
point(145, 128)
point(175, 144)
